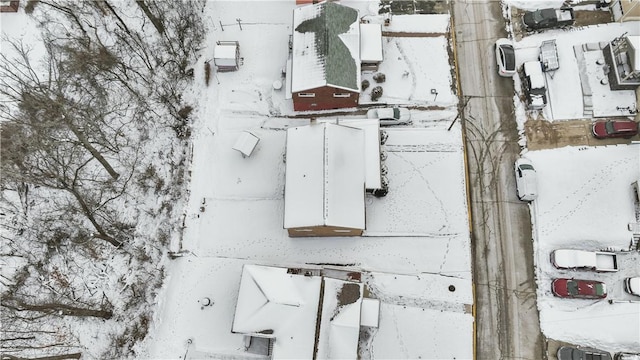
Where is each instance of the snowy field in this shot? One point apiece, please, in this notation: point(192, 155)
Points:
point(416, 250)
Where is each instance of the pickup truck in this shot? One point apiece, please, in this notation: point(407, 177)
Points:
point(548, 18)
point(534, 85)
point(587, 260)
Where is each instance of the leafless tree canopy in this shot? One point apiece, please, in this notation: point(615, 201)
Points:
point(81, 122)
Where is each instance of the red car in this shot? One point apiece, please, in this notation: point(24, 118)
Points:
point(579, 289)
point(615, 128)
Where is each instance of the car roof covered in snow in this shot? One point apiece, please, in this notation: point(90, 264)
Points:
point(534, 70)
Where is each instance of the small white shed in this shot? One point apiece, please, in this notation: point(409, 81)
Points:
point(246, 143)
point(226, 55)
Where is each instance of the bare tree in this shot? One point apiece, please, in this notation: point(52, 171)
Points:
point(29, 156)
point(43, 103)
point(73, 134)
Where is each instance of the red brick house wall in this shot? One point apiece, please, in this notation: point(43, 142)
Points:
point(324, 99)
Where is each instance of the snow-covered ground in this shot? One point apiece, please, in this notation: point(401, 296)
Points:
point(585, 194)
point(416, 250)
point(586, 202)
point(565, 93)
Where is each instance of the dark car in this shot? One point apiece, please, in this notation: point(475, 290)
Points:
point(615, 129)
point(548, 18)
point(571, 353)
point(579, 289)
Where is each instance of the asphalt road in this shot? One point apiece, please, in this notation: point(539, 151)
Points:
point(507, 323)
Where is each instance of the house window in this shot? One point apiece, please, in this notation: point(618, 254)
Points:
point(308, 95)
point(341, 95)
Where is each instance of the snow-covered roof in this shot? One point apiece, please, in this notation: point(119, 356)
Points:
point(340, 321)
point(276, 304)
point(534, 70)
point(634, 42)
point(246, 143)
point(325, 176)
point(326, 47)
point(372, 164)
point(571, 258)
point(370, 312)
point(225, 51)
point(370, 42)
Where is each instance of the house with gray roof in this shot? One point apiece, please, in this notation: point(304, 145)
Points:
point(325, 59)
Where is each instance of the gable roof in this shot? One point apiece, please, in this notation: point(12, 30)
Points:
point(326, 47)
point(325, 177)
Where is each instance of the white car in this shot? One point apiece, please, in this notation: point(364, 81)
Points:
point(505, 58)
point(632, 285)
point(390, 116)
point(526, 180)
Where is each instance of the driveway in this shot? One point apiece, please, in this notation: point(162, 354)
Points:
point(542, 134)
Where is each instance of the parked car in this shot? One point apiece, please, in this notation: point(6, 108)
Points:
point(627, 356)
point(505, 58)
point(390, 116)
point(601, 261)
point(571, 353)
point(614, 129)
point(534, 85)
point(548, 18)
point(579, 289)
point(526, 180)
point(632, 285)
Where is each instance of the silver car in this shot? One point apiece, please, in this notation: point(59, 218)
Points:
point(390, 116)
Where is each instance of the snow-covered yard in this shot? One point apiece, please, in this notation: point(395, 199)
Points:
point(586, 202)
point(415, 255)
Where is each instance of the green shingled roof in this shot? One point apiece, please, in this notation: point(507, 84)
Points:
point(333, 20)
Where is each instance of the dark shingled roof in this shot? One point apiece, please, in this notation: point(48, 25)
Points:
point(333, 20)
